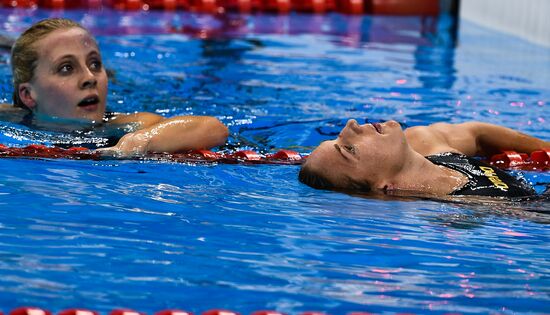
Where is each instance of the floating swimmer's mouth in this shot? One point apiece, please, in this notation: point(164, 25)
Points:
point(377, 127)
point(92, 100)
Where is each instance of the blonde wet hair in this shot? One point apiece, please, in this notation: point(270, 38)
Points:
point(24, 56)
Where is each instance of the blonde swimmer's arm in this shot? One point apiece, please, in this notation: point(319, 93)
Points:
point(177, 134)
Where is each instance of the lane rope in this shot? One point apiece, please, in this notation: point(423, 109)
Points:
point(283, 157)
point(394, 7)
point(537, 161)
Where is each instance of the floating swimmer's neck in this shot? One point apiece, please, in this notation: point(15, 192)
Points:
point(420, 175)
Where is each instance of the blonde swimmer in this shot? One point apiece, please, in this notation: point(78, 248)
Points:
point(58, 76)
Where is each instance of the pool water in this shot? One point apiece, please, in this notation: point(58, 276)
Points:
point(155, 235)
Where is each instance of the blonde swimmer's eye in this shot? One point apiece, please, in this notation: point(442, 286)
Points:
point(96, 65)
point(65, 69)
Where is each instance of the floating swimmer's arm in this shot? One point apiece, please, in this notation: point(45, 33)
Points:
point(493, 139)
point(481, 139)
point(177, 134)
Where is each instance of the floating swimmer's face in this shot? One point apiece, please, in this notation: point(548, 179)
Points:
point(69, 80)
point(361, 156)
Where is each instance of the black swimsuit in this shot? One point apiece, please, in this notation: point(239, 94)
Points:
point(99, 136)
point(483, 179)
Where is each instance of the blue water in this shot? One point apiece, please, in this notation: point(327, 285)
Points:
point(154, 235)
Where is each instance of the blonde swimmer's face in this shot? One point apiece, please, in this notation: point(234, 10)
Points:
point(366, 153)
point(69, 79)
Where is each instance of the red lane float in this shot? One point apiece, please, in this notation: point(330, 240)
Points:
point(76, 311)
point(538, 160)
point(243, 6)
point(19, 4)
point(267, 312)
point(315, 6)
point(53, 4)
point(541, 157)
point(285, 157)
point(173, 312)
point(220, 312)
point(388, 7)
point(125, 312)
point(247, 155)
point(351, 6)
point(42, 151)
point(30, 311)
point(416, 7)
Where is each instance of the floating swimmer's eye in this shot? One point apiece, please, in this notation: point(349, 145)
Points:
point(350, 148)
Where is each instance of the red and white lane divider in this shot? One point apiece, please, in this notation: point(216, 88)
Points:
point(285, 157)
point(537, 161)
point(391, 7)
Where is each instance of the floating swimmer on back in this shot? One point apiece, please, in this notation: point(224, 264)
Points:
point(431, 160)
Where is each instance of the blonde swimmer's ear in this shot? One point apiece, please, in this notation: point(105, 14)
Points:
point(25, 95)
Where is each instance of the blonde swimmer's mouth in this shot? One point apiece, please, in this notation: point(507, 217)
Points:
point(89, 103)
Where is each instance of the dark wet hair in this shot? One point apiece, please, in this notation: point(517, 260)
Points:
point(315, 179)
